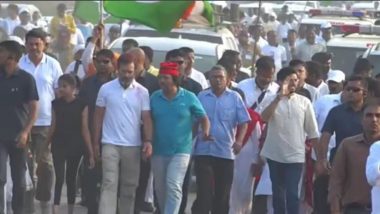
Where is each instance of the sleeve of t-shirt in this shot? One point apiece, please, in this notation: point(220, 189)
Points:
point(196, 107)
point(101, 100)
point(58, 72)
point(145, 101)
point(32, 93)
point(329, 125)
point(311, 126)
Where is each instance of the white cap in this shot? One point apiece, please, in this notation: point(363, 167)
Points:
point(336, 76)
point(24, 9)
point(326, 25)
point(16, 39)
point(78, 48)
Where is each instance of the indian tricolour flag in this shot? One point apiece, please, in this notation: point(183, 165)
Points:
point(160, 15)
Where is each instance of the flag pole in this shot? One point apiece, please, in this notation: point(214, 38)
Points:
point(101, 22)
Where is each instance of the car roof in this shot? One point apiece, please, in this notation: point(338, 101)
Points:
point(166, 44)
point(200, 31)
point(354, 40)
point(336, 20)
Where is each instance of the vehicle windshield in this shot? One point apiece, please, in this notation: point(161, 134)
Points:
point(344, 58)
point(375, 61)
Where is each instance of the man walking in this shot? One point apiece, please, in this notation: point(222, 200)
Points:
point(18, 112)
point(290, 118)
point(46, 71)
point(120, 107)
point(214, 160)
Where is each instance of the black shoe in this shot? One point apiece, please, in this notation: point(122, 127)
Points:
point(147, 207)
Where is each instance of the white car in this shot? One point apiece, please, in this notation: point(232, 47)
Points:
point(219, 36)
point(357, 41)
point(206, 53)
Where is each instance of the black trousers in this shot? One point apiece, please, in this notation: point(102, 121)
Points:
point(65, 163)
point(17, 159)
point(91, 186)
point(214, 180)
point(143, 184)
point(320, 192)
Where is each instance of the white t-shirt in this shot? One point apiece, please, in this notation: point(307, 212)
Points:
point(70, 68)
point(314, 93)
point(123, 110)
point(199, 77)
point(277, 53)
point(28, 26)
point(292, 121)
point(323, 89)
point(282, 30)
point(252, 93)
point(10, 25)
point(322, 107)
point(304, 50)
point(46, 75)
point(261, 42)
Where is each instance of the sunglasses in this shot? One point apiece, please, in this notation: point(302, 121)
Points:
point(103, 61)
point(352, 89)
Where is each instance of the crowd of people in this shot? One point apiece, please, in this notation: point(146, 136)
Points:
point(296, 137)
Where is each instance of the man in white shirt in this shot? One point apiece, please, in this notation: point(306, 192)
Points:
point(257, 93)
point(300, 67)
point(290, 46)
point(122, 106)
point(373, 175)
point(76, 67)
point(315, 77)
point(190, 71)
point(326, 29)
point(12, 20)
point(306, 49)
point(25, 20)
point(335, 81)
point(284, 146)
point(256, 32)
point(282, 29)
point(274, 50)
point(46, 72)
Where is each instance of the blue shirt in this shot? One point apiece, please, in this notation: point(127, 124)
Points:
point(344, 122)
point(173, 120)
point(225, 113)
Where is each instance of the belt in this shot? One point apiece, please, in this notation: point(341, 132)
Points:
point(357, 206)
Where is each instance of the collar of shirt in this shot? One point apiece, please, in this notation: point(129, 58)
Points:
point(180, 93)
point(349, 108)
point(43, 60)
point(4, 74)
point(131, 86)
point(209, 92)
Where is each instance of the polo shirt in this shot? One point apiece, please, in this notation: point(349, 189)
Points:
point(344, 122)
point(225, 113)
point(16, 92)
point(252, 93)
point(46, 74)
point(173, 121)
point(322, 108)
point(123, 110)
point(292, 121)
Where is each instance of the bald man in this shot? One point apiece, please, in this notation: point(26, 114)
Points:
point(150, 82)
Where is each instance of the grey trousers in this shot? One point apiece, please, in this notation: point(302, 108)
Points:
point(121, 168)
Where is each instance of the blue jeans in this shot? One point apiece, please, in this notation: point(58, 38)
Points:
point(169, 173)
point(285, 179)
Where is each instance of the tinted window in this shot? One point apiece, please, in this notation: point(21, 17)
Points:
point(344, 58)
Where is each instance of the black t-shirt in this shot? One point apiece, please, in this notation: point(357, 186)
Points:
point(68, 123)
point(16, 92)
point(304, 92)
point(149, 81)
point(191, 85)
